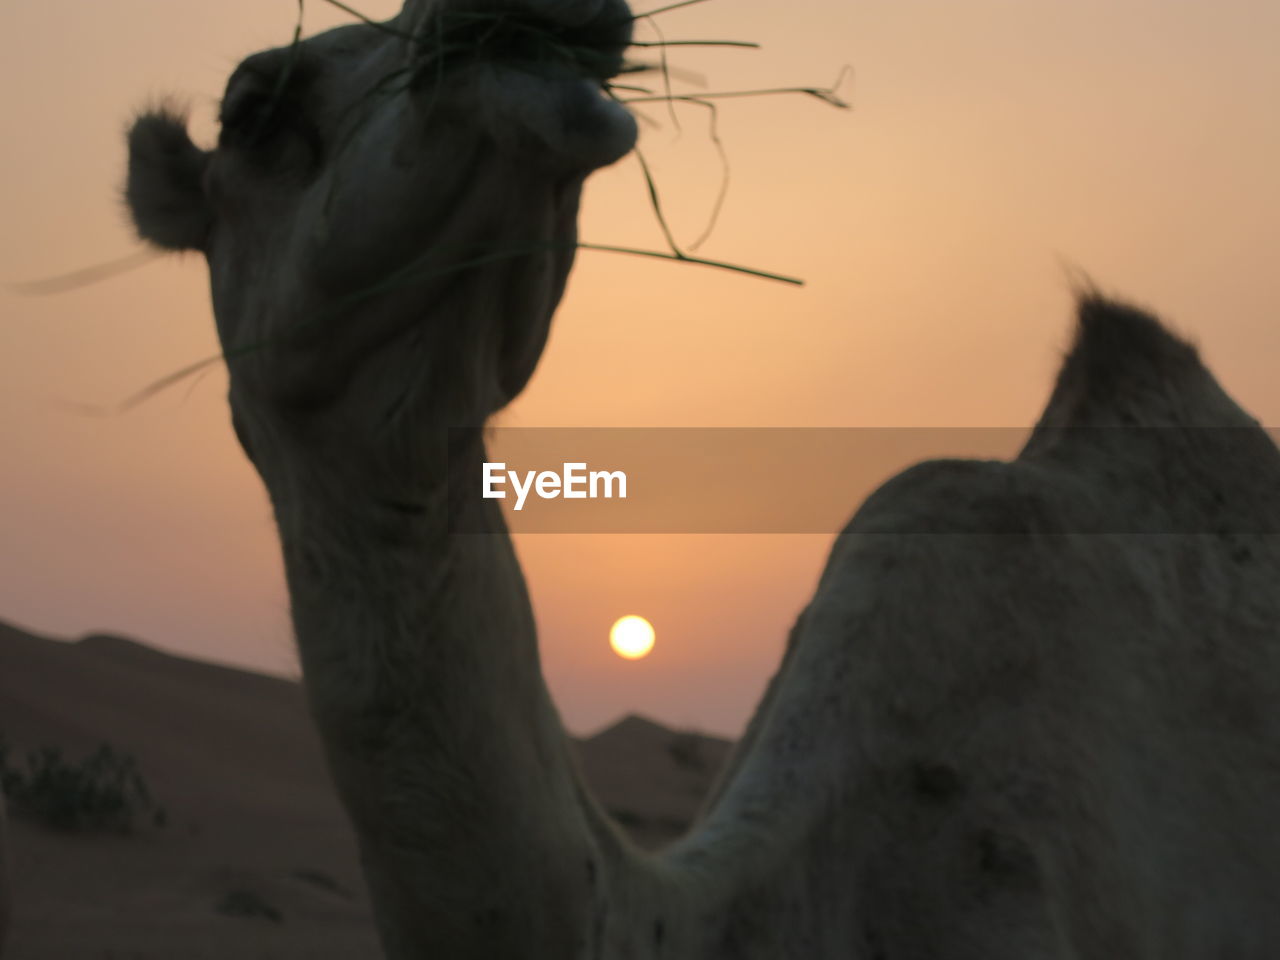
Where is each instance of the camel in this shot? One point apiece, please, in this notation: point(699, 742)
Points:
point(1030, 712)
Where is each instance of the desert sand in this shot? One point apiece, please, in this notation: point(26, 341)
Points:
point(255, 860)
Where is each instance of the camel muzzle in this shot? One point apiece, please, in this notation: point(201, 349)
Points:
point(566, 13)
point(586, 37)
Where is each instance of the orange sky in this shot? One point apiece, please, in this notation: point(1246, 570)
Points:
point(991, 142)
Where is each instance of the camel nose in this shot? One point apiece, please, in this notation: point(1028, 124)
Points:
point(567, 13)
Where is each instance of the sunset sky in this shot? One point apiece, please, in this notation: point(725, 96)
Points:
point(994, 147)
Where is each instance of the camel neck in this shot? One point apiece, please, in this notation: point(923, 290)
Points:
point(420, 658)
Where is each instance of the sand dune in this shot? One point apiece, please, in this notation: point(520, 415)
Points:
point(255, 861)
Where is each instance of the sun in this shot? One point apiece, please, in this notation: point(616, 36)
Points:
point(631, 637)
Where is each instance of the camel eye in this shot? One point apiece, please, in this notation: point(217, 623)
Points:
point(251, 118)
point(266, 119)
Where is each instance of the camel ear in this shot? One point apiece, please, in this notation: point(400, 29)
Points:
point(165, 189)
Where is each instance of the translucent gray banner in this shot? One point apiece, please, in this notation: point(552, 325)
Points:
point(812, 480)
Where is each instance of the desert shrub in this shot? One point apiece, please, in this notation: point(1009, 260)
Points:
point(103, 792)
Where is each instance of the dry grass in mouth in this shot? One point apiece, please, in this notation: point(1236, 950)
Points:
point(451, 39)
point(454, 38)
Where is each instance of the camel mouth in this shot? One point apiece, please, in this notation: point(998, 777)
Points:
point(534, 79)
point(535, 44)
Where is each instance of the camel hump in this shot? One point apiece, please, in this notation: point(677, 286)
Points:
point(1143, 429)
point(1127, 369)
point(1137, 437)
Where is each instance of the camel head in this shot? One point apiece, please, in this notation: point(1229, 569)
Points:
point(389, 215)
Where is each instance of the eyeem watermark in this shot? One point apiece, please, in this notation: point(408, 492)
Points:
point(776, 480)
point(574, 482)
